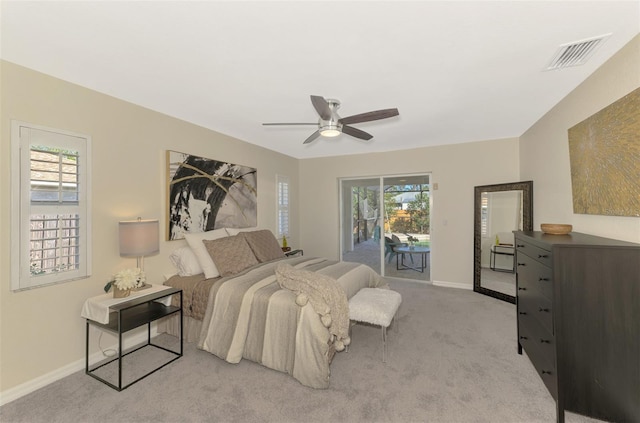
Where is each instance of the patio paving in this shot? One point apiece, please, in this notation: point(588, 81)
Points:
point(368, 252)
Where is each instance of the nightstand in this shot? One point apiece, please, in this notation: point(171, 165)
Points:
point(292, 253)
point(120, 315)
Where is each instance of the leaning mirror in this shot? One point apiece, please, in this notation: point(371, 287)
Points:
point(499, 210)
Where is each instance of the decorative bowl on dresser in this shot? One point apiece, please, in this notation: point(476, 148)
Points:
point(556, 228)
point(578, 304)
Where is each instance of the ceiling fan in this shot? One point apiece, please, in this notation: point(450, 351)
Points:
point(331, 124)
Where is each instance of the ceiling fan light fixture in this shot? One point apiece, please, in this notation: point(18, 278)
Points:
point(331, 125)
point(330, 131)
point(330, 128)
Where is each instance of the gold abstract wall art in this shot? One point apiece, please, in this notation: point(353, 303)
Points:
point(604, 152)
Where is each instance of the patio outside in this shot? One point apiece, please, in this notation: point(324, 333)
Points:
point(406, 223)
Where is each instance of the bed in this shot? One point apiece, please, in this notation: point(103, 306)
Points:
point(259, 305)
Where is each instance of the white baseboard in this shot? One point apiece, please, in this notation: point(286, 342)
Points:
point(391, 278)
point(44, 380)
point(457, 285)
point(40, 382)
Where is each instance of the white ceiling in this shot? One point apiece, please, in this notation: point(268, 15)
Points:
point(457, 71)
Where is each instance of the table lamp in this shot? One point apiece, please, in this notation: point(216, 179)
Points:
point(139, 238)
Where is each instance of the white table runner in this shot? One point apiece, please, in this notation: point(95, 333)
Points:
point(97, 308)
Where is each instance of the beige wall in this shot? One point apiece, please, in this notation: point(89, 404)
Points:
point(544, 148)
point(455, 168)
point(41, 329)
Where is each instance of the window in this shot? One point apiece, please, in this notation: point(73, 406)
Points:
point(484, 214)
point(283, 196)
point(50, 206)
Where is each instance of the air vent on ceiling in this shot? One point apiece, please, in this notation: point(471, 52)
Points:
point(576, 53)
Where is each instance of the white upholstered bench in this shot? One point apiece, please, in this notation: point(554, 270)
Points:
point(375, 306)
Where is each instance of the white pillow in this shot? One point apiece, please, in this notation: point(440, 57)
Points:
point(206, 262)
point(236, 231)
point(185, 261)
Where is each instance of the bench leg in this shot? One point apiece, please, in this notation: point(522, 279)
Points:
point(384, 344)
point(394, 322)
point(351, 323)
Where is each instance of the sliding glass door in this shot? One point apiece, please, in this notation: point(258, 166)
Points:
point(360, 222)
point(385, 223)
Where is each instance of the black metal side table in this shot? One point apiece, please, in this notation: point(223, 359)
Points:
point(128, 315)
point(502, 250)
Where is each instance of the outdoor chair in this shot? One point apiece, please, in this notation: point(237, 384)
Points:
point(390, 246)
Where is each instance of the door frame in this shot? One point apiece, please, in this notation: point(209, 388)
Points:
point(347, 238)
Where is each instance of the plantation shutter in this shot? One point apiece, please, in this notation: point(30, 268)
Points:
point(52, 222)
point(283, 205)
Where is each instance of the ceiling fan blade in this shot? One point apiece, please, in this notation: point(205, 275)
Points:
point(312, 137)
point(287, 123)
point(321, 106)
point(355, 132)
point(369, 116)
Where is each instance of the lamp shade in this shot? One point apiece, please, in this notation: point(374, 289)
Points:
point(139, 238)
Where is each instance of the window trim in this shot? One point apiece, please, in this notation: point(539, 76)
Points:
point(21, 209)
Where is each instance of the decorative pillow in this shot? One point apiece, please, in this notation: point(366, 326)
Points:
point(231, 254)
point(236, 231)
point(185, 261)
point(195, 242)
point(263, 244)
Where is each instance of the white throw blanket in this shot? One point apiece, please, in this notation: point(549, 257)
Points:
point(326, 296)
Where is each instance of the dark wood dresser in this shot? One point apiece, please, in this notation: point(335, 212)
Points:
point(578, 300)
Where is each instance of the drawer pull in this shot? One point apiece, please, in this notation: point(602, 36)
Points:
point(543, 279)
point(545, 372)
point(524, 313)
point(522, 264)
point(523, 337)
point(520, 245)
point(543, 255)
point(522, 289)
point(545, 341)
point(543, 309)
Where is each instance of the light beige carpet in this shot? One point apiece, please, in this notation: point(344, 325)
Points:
point(453, 359)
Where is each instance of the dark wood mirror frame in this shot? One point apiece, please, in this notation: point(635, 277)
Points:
point(527, 225)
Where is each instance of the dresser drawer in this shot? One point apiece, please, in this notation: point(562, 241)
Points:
point(540, 347)
point(532, 304)
point(533, 275)
point(531, 329)
point(539, 254)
